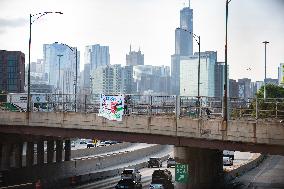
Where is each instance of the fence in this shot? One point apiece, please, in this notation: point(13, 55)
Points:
point(151, 105)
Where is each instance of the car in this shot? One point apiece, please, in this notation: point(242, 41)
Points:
point(162, 179)
point(154, 162)
point(227, 161)
point(110, 142)
point(90, 145)
point(171, 162)
point(156, 186)
point(130, 184)
point(131, 174)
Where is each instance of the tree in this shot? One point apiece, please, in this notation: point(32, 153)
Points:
point(273, 105)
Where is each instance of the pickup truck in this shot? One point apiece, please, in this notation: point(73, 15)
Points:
point(131, 174)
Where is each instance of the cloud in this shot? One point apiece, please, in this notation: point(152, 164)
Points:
point(12, 23)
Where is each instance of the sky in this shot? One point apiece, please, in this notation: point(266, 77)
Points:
point(150, 25)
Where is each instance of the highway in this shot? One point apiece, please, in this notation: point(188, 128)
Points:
point(269, 175)
point(146, 173)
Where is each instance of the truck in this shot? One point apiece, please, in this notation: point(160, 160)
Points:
point(162, 179)
point(230, 154)
point(131, 174)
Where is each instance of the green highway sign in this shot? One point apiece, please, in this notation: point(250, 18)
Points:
point(181, 171)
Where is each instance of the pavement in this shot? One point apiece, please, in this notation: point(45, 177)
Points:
point(268, 175)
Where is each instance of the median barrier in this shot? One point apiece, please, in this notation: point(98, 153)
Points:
point(229, 176)
point(68, 169)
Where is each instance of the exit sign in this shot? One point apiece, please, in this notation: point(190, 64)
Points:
point(181, 171)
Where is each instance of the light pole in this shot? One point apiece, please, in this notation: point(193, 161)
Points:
point(59, 57)
point(197, 39)
point(225, 98)
point(36, 16)
point(264, 92)
point(76, 71)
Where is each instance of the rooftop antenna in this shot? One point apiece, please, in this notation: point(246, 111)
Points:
point(130, 47)
point(188, 3)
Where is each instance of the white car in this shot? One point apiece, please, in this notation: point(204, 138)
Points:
point(227, 161)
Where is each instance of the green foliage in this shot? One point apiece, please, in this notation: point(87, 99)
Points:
point(273, 104)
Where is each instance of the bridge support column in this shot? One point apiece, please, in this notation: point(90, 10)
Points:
point(205, 167)
point(67, 149)
point(50, 151)
point(59, 149)
point(40, 152)
point(18, 149)
point(5, 156)
point(30, 154)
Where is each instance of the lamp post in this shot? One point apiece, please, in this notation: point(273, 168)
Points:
point(264, 92)
point(197, 39)
point(76, 71)
point(59, 57)
point(36, 16)
point(225, 97)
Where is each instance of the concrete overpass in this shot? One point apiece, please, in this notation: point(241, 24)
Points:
point(197, 141)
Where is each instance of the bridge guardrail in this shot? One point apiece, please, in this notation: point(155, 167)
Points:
point(151, 105)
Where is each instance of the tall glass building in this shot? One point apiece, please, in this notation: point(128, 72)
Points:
point(183, 46)
point(60, 71)
point(97, 55)
point(189, 74)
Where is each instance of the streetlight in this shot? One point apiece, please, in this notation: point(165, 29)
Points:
point(197, 39)
point(36, 16)
point(264, 93)
point(58, 82)
point(76, 71)
point(225, 117)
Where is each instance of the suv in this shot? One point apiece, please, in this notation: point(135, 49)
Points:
point(162, 179)
point(131, 174)
point(154, 162)
point(128, 184)
point(171, 162)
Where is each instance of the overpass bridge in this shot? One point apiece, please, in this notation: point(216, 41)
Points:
point(198, 138)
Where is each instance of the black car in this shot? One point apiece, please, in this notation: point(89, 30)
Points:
point(154, 162)
point(127, 183)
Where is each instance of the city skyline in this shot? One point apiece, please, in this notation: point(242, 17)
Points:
point(151, 26)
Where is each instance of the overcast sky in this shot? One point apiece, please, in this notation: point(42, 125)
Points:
point(150, 25)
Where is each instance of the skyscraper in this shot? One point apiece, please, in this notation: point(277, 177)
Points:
point(183, 46)
point(12, 71)
point(134, 58)
point(97, 55)
point(189, 74)
point(60, 72)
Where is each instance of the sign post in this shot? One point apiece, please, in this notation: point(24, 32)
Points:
point(181, 173)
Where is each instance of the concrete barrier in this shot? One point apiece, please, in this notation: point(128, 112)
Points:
point(229, 176)
point(57, 171)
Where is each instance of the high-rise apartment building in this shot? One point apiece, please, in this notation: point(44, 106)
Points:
point(134, 58)
point(60, 67)
point(244, 86)
point(219, 79)
point(233, 89)
point(183, 46)
point(12, 71)
point(97, 55)
point(189, 74)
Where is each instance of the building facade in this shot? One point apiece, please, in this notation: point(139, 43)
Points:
point(134, 58)
point(183, 46)
point(97, 56)
point(12, 71)
point(244, 86)
point(60, 67)
point(189, 74)
point(233, 89)
point(219, 79)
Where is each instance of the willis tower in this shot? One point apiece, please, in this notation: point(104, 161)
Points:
point(183, 46)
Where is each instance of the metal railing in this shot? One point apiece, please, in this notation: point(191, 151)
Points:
point(151, 105)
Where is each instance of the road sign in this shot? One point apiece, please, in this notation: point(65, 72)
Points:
point(181, 171)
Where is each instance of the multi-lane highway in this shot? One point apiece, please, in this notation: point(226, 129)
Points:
point(146, 173)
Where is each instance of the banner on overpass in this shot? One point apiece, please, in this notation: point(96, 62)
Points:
point(112, 107)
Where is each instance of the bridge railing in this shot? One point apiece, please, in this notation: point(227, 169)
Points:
point(191, 106)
